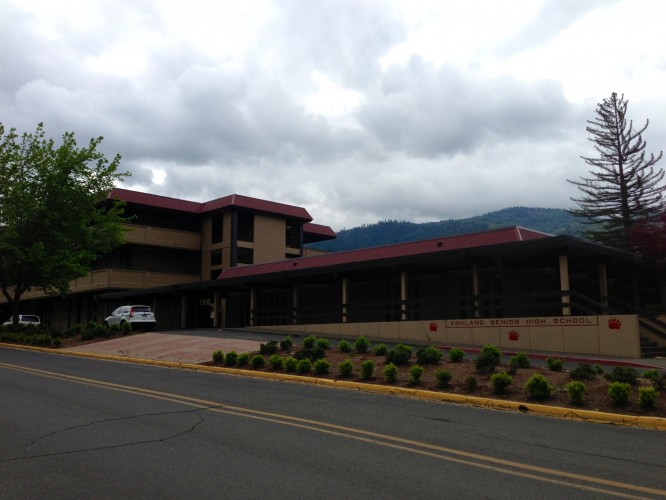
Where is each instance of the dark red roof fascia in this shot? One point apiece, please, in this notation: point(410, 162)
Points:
point(487, 238)
point(234, 200)
point(322, 232)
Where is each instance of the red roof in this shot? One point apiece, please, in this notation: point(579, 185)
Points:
point(233, 200)
point(487, 238)
point(321, 232)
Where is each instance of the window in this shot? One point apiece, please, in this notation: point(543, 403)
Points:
point(245, 226)
point(217, 229)
point(216, 258)
point(245, 255)
point(292, 234)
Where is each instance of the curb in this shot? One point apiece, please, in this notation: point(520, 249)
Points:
point(653, 423)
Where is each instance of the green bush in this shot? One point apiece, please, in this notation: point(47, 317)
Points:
point(361, 345)
point(512, 369)
point(275, 362)
point(243, 359)
point(322, 367)
point(126, 328)
point(456, 355)
point(399, 355)
point(268, 348)
point(619, 392)
point(323, 343)
point(584, 371)
point(231, 359)
point(624, 374)
point(390, 373)
point(309, 341)
point(312, 353)
point(286, 344)
point(555, 364)
point(647, 397)
point(470, 383)
point(488, 359)
point(291, 364)
point(599, 369)
point(344, 346)
point(57, 342)
point(537, 387)
point(657, 379)
point(304, 366)
point(367, 369)
point(576, 391)
point(428, 356)
point(75, 329)
point(345, 368)
point(521, 360)
point(415, 374)
point(500, 382)
point(218, 357)
point(443, 378)
point(257, 361)
point(380, 350)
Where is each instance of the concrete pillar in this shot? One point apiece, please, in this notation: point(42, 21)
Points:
point(253, 302)
point(216, 309)
point(345, 285)
point(223, 313)
point(603, 286)
point(294, 318)
point(476, 290)
point(403, 295)
point(564, 285)
point(183, 311)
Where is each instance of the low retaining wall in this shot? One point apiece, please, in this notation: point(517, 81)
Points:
point(601, 335)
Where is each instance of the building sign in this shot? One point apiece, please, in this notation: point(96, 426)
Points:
point(517, 322)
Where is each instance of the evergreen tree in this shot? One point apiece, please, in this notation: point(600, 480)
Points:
point(624, 187)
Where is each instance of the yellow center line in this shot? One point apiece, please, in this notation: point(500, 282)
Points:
point(453, 455)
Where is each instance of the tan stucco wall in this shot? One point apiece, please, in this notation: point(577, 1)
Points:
point(600, 335)
point(269, 239)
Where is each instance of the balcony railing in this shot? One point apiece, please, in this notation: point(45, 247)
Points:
point(155, 236)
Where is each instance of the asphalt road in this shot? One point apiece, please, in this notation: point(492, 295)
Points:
point(84, 428)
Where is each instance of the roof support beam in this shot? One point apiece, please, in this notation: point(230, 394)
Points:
point(564, 285)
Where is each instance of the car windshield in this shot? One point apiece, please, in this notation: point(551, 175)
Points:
point(34, 319)
point(142, 309)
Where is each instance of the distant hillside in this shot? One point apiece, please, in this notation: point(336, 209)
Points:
point(548, 220)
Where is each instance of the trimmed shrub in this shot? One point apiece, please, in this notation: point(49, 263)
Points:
point(275, 362)
point(390, 373)
point(243, 359)
point(268, 348)
point(619, 392)
point(584, 371)
point(291, 364)
point(286, 344)
point(647, 397)
point(415, 373)
point(257, 361)
point(555, 364)
point(367, 369)
point(380, 350)
point(361, 345)
point(470, 383)
point(576, 391)
point(231, 359)
point(309, 341)
point(443, 378)
point(345, 368)
point(599, 369)
point(537, 387)
point(323, 343)
point(399, 355)
point(456, 355)
point(488, 359)
point(521, 360)
point(500, 382)
point(322, 367)
point(218, 357)
point(344, 346)
point(512, 369)
point(304, 366)
point(428, 356)
point(312, 353)
point(624, 374)
point(657, 379)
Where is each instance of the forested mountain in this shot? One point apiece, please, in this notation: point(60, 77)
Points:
point(548, 220)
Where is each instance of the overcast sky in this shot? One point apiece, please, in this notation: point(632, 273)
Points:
point(358, 111)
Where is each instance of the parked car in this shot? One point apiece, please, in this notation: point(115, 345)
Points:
point(25, 319)
point(139, 317)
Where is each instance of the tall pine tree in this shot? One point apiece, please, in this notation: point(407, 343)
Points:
point(624, 187)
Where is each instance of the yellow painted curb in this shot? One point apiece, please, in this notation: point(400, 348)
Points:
point(655, 423)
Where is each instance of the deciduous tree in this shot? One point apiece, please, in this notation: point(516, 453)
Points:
point(54, 221)
point(623, 186)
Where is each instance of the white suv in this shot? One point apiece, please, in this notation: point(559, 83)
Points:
point(25, 319)
point(139, 317)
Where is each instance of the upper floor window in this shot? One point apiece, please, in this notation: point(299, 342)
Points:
point(217, 228)
point(292, 234)
point(245, 226)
